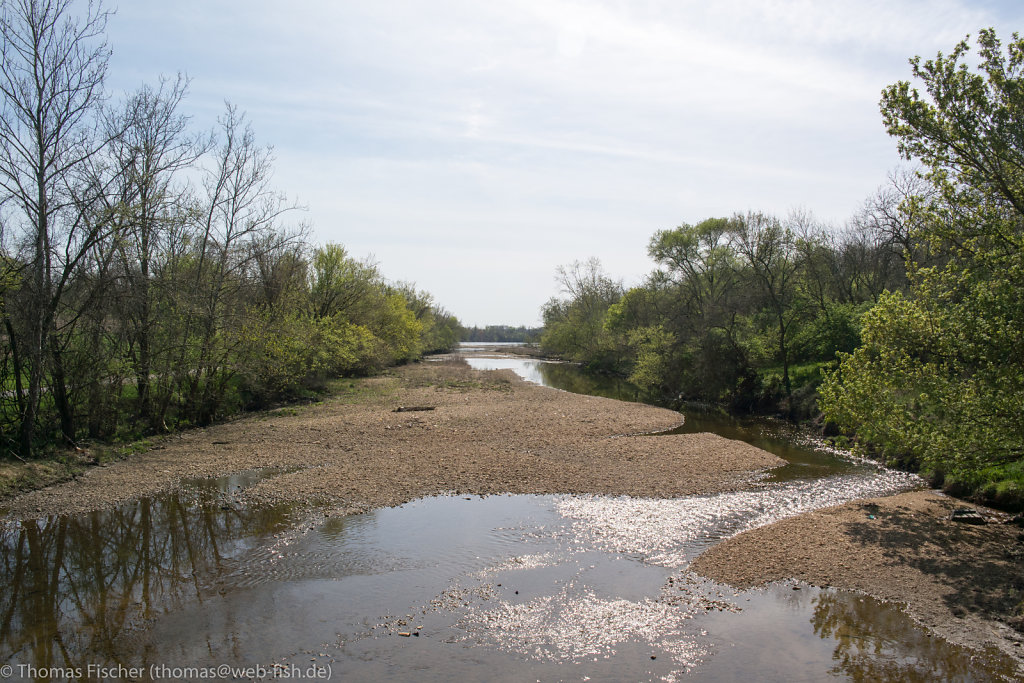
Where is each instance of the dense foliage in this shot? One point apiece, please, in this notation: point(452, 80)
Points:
point(741, 311)
point(940, 377)
point(150, 276)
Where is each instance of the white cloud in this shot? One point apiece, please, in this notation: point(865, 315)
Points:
point(421, 132)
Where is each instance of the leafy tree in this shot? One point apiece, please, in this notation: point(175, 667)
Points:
point(700, 263)
point(340, 283)
point(940, 377)
point(574, 326)
point(767, 250)
point(733, 306)
point(697, 287)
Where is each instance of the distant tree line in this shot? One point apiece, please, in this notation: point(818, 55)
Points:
point(150, 275)
point(501, 333)
point(905, 327)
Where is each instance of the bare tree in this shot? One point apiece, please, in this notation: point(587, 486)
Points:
point(894, 213)
point(151, 147)
point(52, 68)
point(240, 210)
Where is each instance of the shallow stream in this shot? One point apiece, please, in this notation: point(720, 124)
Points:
point(451, 588)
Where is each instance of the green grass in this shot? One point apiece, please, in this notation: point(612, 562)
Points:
point(999, 486)
point(35, 474)
point(1003, 486)
point(801, 375)
point(112, 452)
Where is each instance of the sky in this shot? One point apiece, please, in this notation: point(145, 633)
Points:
point(473, 147)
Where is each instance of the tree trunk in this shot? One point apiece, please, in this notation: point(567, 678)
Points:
point(58, 386)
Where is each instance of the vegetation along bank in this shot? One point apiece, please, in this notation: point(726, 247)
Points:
point(151, 276)
point(902, 330)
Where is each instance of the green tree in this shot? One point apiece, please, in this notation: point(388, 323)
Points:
point(694, 341)
point(574, 326)
point(767, 250)
point(940, 377)
point(340, 283)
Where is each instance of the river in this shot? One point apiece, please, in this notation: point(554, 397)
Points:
point(502, 588)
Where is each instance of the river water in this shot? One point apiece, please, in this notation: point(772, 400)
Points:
point(502, 588)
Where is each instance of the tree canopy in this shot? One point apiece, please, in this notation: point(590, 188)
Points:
point(940, 377)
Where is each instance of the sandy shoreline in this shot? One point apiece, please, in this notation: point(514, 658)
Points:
point(487, 433)
point(490, 433)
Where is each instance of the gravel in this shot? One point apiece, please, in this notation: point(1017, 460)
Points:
point(961, 581)
point(489, 432)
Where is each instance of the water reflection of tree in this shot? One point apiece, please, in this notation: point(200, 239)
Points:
point(72, 585)
point(570, 378)
point(876, 642)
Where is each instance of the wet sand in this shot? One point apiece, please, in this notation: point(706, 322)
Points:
point(963, 582)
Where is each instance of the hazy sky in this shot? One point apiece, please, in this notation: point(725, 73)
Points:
point(472, 147)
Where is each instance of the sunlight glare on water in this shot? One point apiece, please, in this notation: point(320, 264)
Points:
point(671, 532)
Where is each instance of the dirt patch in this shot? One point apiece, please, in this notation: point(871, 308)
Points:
point(488, 433)
point(962, 581)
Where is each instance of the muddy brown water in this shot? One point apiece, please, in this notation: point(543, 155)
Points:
point(503, 588)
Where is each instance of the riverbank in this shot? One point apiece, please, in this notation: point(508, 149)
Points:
point(484, 433)
point(963, 582)
point(439, 427)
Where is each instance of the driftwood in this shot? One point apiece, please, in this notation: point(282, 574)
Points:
point(411, 409)
point(967, 516)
